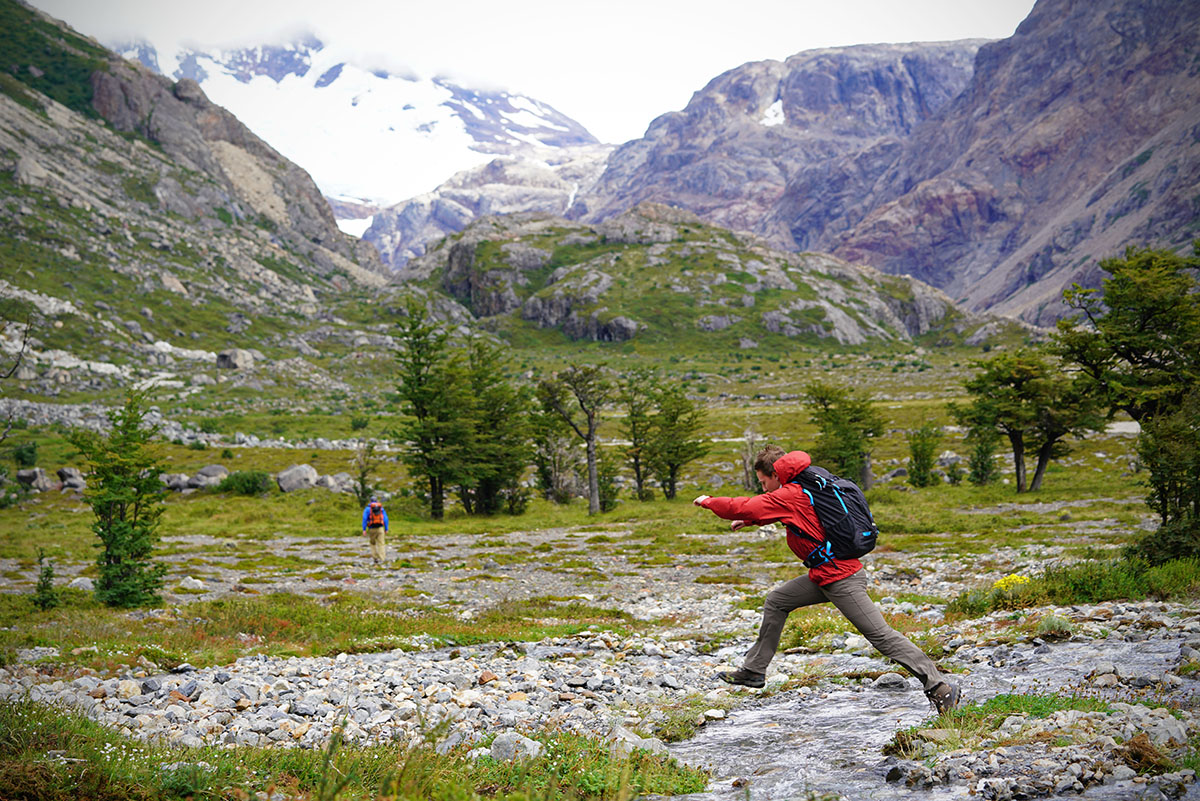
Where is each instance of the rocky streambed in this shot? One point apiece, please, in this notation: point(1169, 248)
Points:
point(821, 725)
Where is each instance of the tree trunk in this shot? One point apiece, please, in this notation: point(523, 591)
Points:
point(1043, 461)
point(437, 509)
point(593, 474)
point(866, 479)
point(1018, 446)
point(639, 481)
point(669, 484)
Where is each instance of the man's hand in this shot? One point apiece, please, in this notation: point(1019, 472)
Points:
point(700, 499)
point(736, 524)
point(364, 532)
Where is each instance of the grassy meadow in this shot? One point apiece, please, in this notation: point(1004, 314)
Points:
point(1090, 505)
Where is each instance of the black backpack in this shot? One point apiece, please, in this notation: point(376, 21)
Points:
point(850, 530)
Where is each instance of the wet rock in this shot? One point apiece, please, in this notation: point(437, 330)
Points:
point(893, 682)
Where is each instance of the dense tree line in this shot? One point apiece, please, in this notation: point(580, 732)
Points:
point(471, 429)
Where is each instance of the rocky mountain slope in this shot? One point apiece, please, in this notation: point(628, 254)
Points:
point(732, 152)
point(661, 274)
point(543, 181)
point(1076, 136)
point(361, 129)
point(998, 172)
point(143, 225)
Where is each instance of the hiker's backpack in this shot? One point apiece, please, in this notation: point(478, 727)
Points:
point(375, 518)
point(850, 530)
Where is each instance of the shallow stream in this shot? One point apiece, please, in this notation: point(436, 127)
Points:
point(790, 744)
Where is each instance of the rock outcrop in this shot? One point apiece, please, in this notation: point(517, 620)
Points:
point(999, 172)
point(542, 181)
point(730, 154)
point(662, 272)
point(1076, 136)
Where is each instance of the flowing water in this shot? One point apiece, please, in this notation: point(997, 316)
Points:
point(789, 745)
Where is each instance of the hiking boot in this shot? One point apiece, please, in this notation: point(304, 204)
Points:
point(944, 697)
point(746, 678)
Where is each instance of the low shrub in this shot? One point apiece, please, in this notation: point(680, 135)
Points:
point(246, 482)
point(1087, 582)
point(25, 454)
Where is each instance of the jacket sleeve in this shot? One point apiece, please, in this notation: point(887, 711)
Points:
point(385, 520)
point(756, 510)
point(366, 512)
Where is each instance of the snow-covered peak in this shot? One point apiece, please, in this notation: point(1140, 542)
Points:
point(363, 129)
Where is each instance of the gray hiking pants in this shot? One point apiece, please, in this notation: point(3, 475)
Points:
point(850, 597)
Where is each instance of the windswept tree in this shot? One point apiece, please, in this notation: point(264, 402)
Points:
point(675, 436)
point(848, 425)
point(556, 458)
point(435, 398)
point(1032, 403)
point(637, 393)
point(501, 429)
point(1137, 341)
point(126, 499)
point(577, 395)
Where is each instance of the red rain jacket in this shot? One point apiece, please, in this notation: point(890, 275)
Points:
point(789, 505)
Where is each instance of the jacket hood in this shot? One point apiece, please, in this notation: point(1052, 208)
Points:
point(788, 466)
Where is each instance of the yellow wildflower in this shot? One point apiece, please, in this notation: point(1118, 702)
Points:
point(1010, 582)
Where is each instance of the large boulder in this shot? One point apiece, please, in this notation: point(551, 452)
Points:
point(235, 359)
point(208, 476)
point(297, 477)
point(36, 479)
point(176, 482)
point(71, 478)
point(217, 471)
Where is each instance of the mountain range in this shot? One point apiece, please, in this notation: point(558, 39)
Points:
point(364, 131)
point(148, 236)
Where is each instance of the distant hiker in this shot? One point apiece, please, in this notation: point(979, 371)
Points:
point(375, 521)
point(830, 577)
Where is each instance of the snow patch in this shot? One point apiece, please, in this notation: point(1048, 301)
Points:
point(356, 227)
point(774, 115)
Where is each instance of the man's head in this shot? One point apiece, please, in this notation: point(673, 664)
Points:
point(764, 466)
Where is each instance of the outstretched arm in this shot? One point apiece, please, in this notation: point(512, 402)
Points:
point(756, 510)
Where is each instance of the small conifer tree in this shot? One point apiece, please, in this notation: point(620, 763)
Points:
point(981, 462)
point(922, 447)
point(44, 595)
point(127, 504)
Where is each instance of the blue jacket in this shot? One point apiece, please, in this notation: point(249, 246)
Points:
point(367, 516)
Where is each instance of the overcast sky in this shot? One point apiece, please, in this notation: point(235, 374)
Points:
point(612, 65)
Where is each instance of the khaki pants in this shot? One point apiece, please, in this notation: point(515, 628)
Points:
point(850, 597)
point(378, 537)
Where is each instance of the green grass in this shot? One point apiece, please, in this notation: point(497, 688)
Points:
point(1086, 582)
point(64, 59)
point(100, 764)
point(973, 726)
point(218, 632)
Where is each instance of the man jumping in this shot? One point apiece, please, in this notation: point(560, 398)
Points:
point(839, 581)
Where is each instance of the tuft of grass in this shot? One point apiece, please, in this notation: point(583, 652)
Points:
point(973, 724)
point(219, 631)
point(1086, 582)
point(95, 762)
